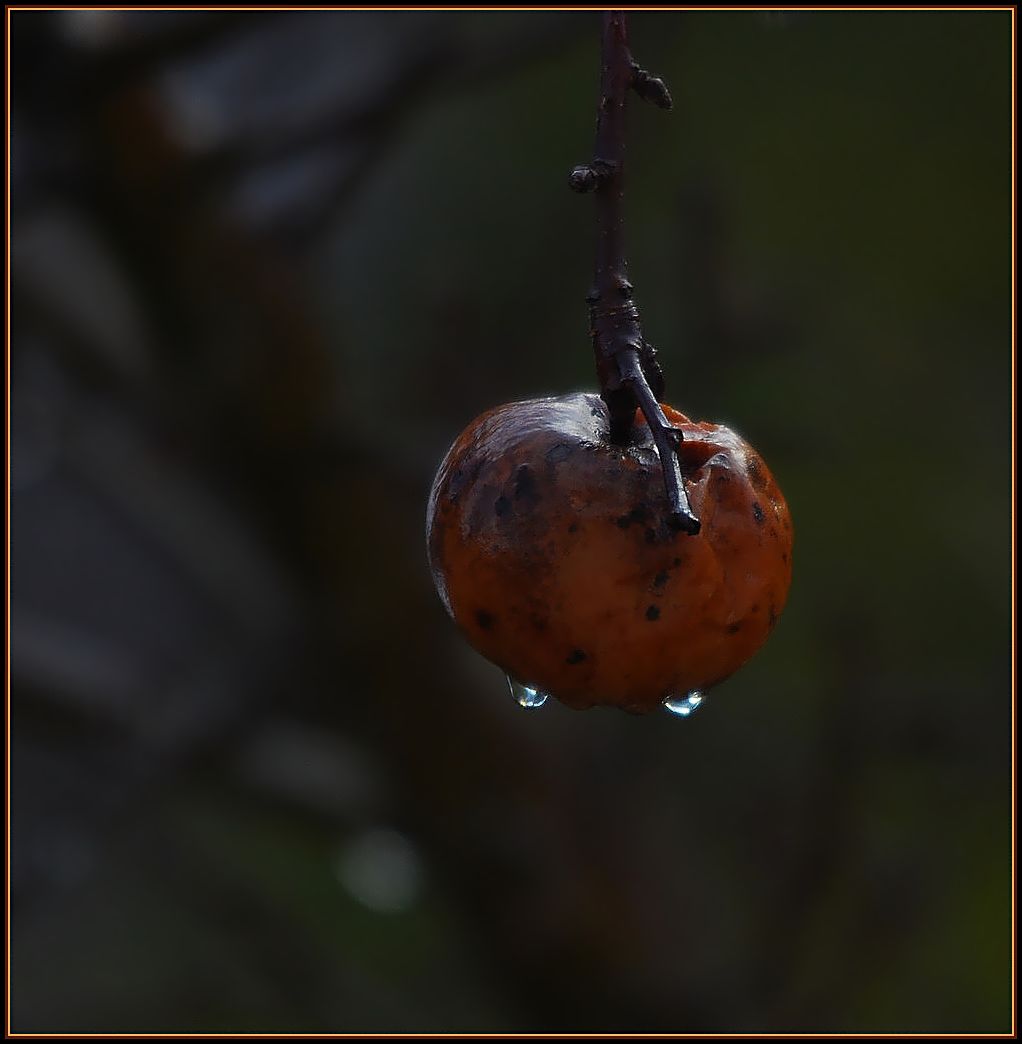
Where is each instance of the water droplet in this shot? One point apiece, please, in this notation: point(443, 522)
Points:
point(526, 695)
point(684, 706)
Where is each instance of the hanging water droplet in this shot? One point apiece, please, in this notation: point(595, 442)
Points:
point(684, 706)
point(526, 695)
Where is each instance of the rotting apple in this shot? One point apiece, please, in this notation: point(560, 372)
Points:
point(553, 550)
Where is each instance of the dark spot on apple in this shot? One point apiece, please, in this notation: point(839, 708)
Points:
point(756, 476)
point(577, 656)
point(757, 513)
point(525, 486)
point(652, 613)
point(660, 579)
point(734, 628)
point(638, 514)
point(484, 619)
point(502, 506)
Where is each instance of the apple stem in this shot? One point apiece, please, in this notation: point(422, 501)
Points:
point(626, 363)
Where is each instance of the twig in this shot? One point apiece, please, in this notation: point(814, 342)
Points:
point(625, 363)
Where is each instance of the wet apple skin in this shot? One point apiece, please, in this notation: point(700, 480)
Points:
point(552, 550)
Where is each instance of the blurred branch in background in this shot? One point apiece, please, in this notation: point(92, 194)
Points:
point(258, 783)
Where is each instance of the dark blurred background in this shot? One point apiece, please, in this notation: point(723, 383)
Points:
point(266, 266)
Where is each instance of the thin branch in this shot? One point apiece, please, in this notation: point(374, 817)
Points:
point(625, 362)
